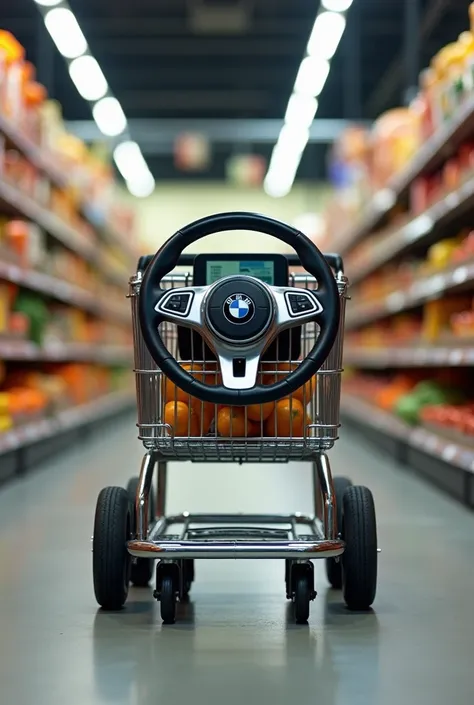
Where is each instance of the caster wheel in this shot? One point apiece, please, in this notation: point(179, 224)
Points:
point(302, 597)
point(142, 569)
point(168, 600)
point(110, 558)
point(359, 560)
point(333, 567)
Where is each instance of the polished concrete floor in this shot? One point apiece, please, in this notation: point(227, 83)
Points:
point(235, 642)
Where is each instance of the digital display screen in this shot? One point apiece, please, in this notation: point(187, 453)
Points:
point(260, 269)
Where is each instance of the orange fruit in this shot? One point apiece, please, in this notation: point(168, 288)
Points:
point(290, 419)
point(231, 422)
point(179, 416)
point(254, 429)
point(174, 393)
point(305, 393)
point(257, 412)
point(205, 412)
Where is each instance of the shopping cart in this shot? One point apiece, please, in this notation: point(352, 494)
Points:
point(236, 370)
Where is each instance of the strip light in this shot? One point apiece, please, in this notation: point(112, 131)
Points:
point(311, 78)
point(87, 76)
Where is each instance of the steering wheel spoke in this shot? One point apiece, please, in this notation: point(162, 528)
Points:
point(238, 371)
point(183, 306)
point(295, 306)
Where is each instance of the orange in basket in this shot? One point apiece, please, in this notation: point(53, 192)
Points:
point(279, 371)
point(174, 393)
point(256, 412)
point(289, 419)
point(231, 421)
point(183, 420)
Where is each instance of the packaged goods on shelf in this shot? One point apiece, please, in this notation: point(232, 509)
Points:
point(66, 249)
point(411, 151)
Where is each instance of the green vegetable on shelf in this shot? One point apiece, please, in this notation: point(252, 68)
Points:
point(427, 393)
point(37, 313)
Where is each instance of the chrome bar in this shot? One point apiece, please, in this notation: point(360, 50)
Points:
point(161, 488)
point(235, 549)
point(158, 529)
point(143, 493)
point(298, 518)
point(325, 480)
point(317, 495)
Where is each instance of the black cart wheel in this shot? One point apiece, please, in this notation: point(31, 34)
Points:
point(333, 567)
point(110, 558)
point(168, 600)
point(359, 560)
point(142, 568)
point(302, 597)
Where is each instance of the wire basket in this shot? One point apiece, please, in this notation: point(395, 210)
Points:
point(177, 426)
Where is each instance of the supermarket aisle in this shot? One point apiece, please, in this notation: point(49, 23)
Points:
point(234, 637)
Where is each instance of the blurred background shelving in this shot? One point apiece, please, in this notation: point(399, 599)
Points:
point(67, 247)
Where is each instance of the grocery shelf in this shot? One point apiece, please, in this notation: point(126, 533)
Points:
point(430, 442)
point(61, 291)
point(435, 150)
point(44, 163)
point(65, 420)
point(76, 352)
point(409, 356)
point(413, 233)
point(31, 151)
point(424, 289)
point(21, 204)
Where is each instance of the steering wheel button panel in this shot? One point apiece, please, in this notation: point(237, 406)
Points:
point(301, 304)
point(179, 304)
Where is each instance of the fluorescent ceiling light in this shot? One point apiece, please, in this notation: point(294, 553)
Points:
point(301, 110)
point(142, 188)
point(65, 32)
point(129, 160)
point(326, 35)
point(336, 5)
point(292, 139)
point(48, 3)
point(312, 76)
point(88, 78)
point(109, 117)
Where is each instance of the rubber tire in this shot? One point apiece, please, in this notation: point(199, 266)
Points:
point(359, 560)
point(333, 568)
point(142, 569)
point(302, 597)
point(110, 558)
point(168, 600)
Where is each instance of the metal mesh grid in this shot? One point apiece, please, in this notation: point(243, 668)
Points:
point(178, 426)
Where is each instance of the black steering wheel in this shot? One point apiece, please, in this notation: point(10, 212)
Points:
point(239, 316)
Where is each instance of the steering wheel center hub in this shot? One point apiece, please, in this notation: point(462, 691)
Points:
point(239, 309)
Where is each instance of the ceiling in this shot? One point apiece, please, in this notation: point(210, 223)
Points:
point(232, 59)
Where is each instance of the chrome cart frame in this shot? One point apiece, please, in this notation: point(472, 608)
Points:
point(215, 535)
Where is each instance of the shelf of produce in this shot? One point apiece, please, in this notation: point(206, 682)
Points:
point(31, 151)
point(429, 442)
point(62, 352)
point(409, 356)
point(21, 204)
point(426, 288)
point(432, 154)
point(44, 163)
point(65, 420)
point(61, 291)
point(413, 233)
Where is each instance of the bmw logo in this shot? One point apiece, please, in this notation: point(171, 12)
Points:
point(239, 308)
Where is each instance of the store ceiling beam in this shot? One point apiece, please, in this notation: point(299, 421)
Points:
point(99, 27)
point(161, 134)
point(188, 100)
point(195, 46)
point(392, 79)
